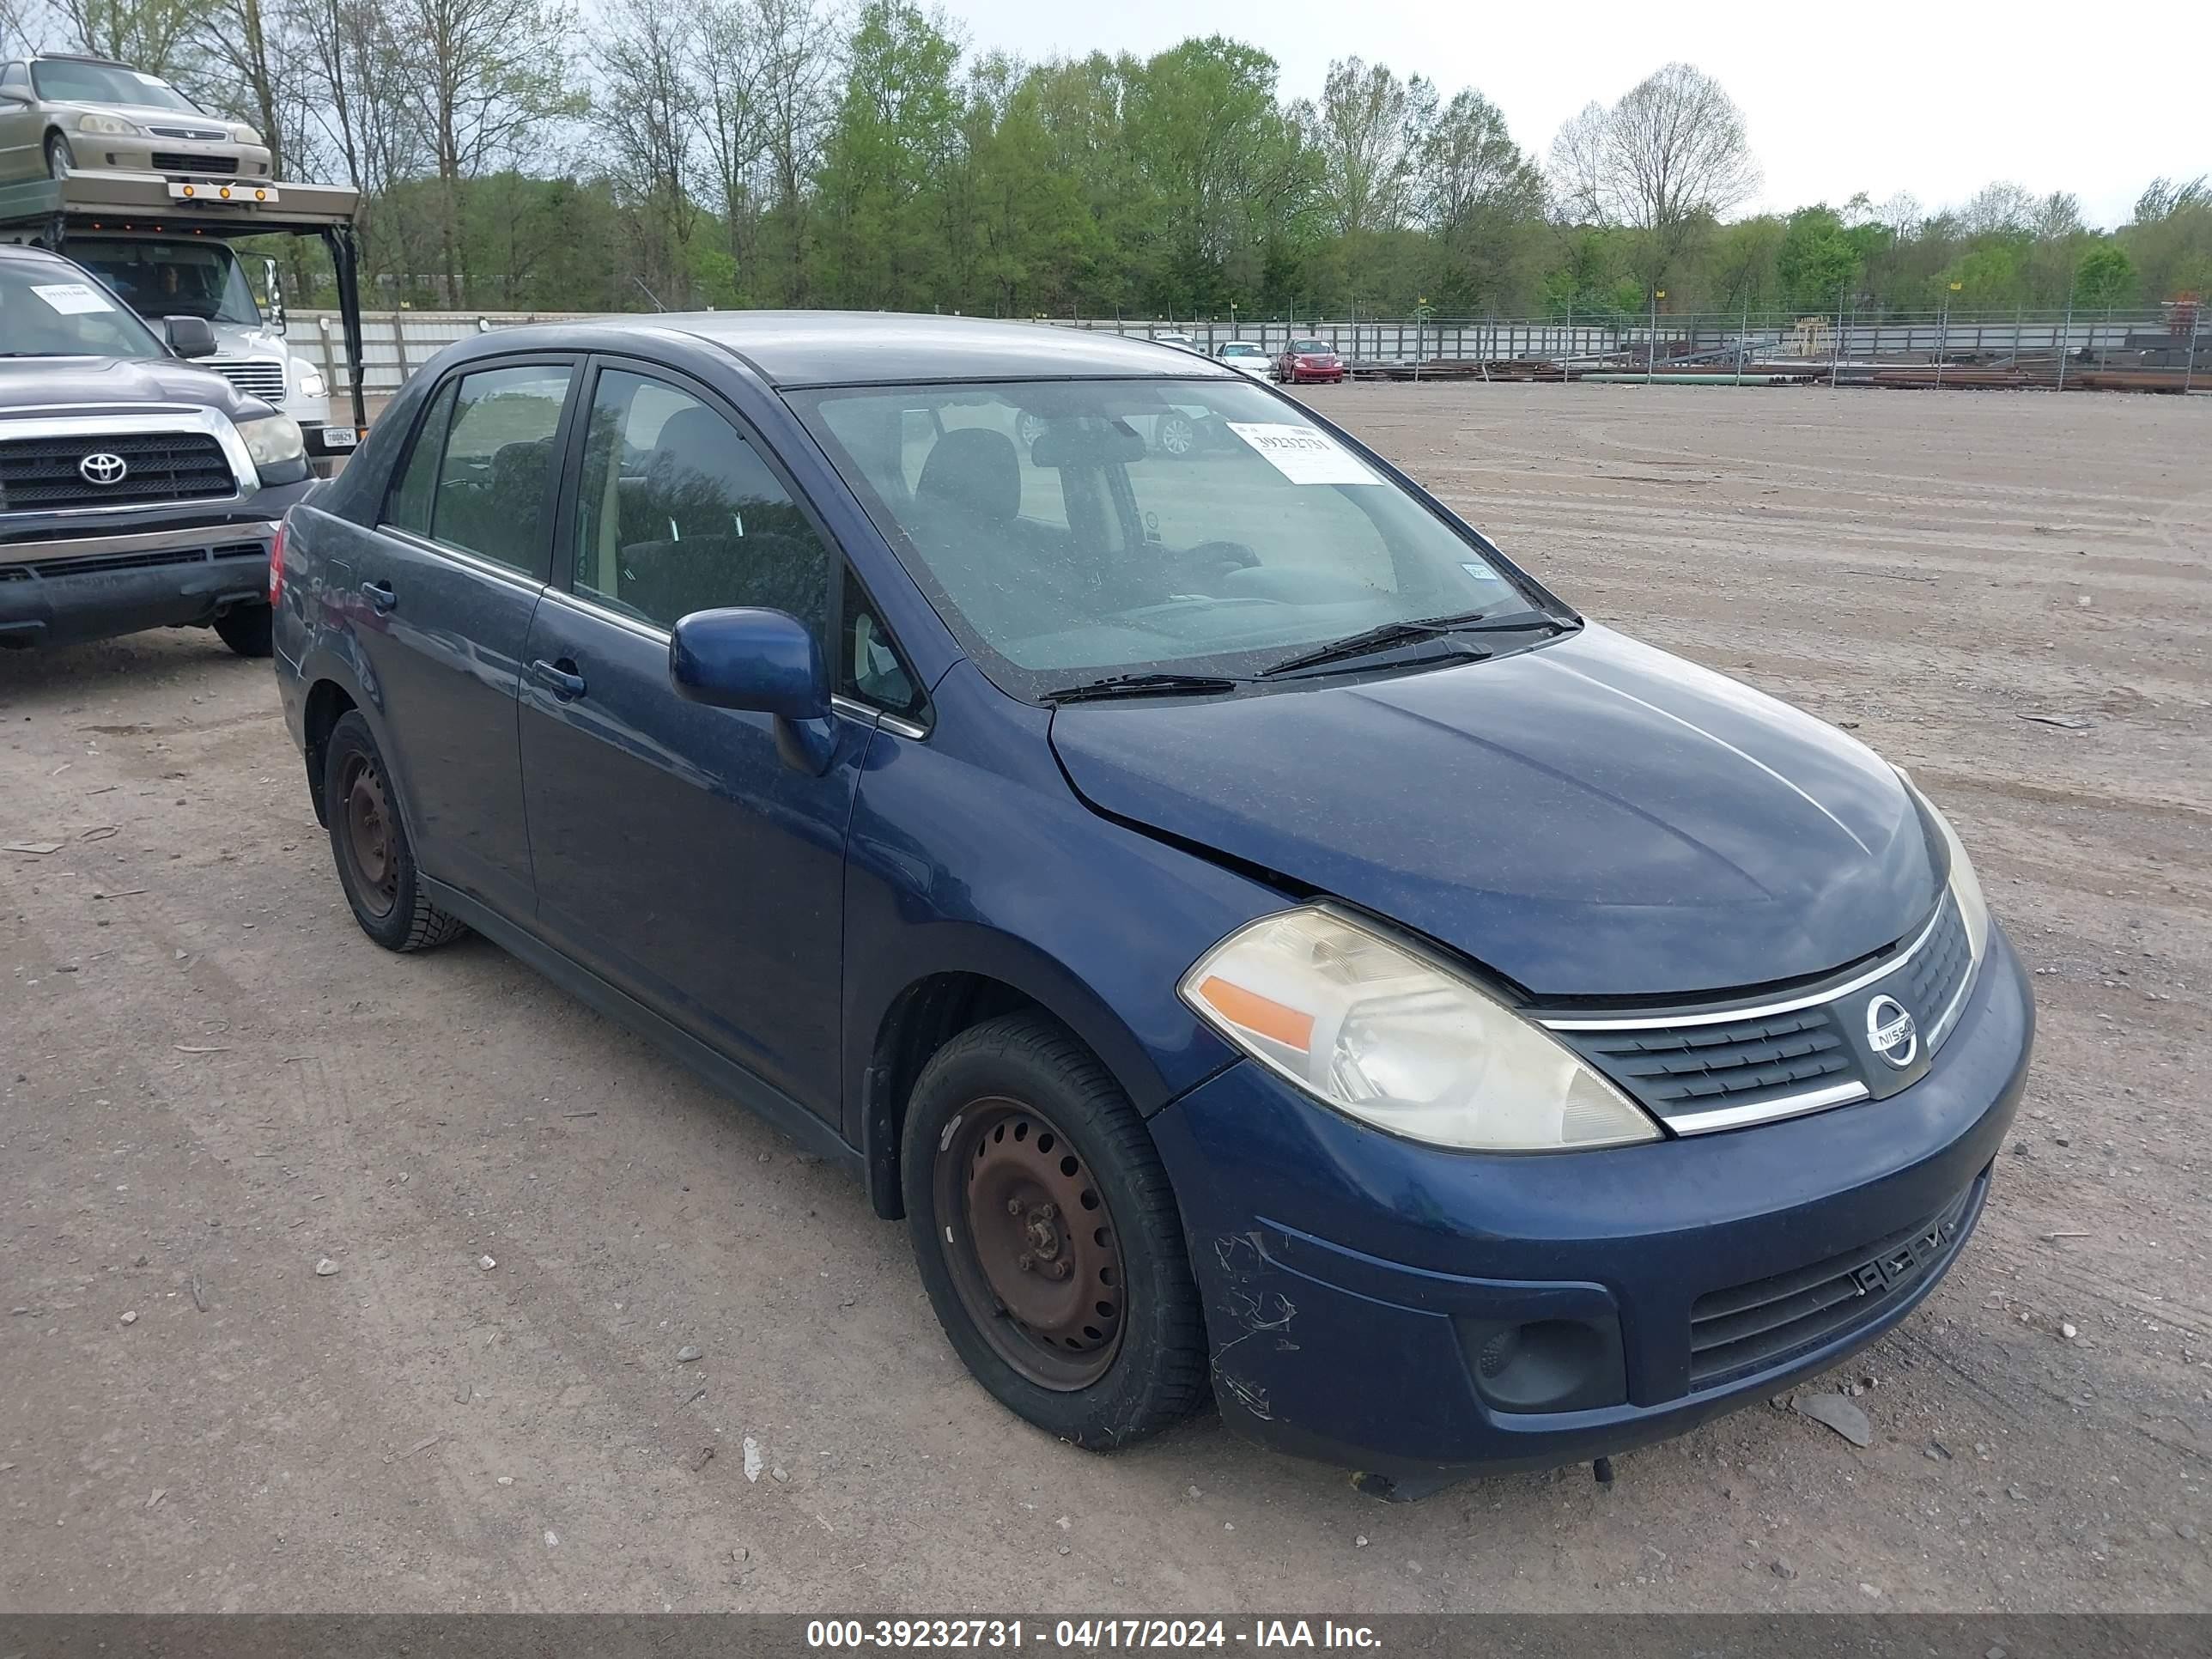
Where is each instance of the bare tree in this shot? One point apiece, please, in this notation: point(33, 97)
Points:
point(153, 35)
point(799, 67)
point(483, 77)
point(648, 111)
point(729, 48)
point(1999, 207)
point(1368, 130)
point(1670, 157)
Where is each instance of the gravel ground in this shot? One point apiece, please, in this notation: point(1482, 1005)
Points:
point(209, 1083)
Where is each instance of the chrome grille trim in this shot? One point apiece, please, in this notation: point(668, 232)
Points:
point(1756, 1010)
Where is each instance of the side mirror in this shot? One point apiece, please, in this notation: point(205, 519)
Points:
point(275, 290)
point(762, 660)
point(189, 337)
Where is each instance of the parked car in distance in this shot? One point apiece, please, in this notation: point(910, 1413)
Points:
point(1309, 359)
point(1180, 341)
point(1245, 357)
point(136, 492)
point(1261, 940)
point(61, 114)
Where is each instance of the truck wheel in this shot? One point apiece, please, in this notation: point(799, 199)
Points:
point(369, 841)
point(61, 160)
point(1048, 1237)
point(246, 629)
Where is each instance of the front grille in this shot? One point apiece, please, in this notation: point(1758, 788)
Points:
point(1740, 1063)
point(96, 564)
point(1767, 1323)
point(167, 161)
point(1934, 977)
point(256, 377)
point(195, 134)
point(43, 475)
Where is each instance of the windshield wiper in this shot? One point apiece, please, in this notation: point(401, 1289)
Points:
point(1142, 685)
point(1374, 639)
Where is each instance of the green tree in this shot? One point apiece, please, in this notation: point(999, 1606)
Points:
point(887, 153)
point(1818, 261)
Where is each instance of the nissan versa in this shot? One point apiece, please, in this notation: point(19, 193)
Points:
point(1263, 941)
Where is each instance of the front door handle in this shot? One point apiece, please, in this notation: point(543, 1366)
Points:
point(381, 596)
point(566, 683)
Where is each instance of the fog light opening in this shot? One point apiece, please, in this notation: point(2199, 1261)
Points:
point(1547, 1364)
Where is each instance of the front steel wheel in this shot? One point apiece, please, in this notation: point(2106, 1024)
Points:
point(1032, 1250)
point(1047, 1236)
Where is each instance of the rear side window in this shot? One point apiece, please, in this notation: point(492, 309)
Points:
point(408, 507)
point(678, 513)
point(497, 472)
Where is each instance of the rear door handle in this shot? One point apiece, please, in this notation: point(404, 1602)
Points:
point(379, 596)
point(566, 683)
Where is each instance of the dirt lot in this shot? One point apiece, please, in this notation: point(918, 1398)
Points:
point(209, 1081)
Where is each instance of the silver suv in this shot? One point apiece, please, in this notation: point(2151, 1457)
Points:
point(60, 115)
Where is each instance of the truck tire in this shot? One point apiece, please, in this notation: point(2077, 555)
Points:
point(246, 629)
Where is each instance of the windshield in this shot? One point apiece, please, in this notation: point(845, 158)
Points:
point(52, 311)
point(1071, 531)
point(173, 279)
point(1312, 348)
point(1242, 351)
point(104, 83)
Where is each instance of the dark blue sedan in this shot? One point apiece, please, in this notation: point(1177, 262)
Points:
point(1267, 945)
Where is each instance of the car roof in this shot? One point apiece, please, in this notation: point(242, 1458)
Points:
point(25, 252)
point(791, 349)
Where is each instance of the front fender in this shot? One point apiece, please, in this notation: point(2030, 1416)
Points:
point(969, 853)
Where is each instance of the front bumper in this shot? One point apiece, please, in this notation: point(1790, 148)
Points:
point(65, 588)
point(1355, 1283)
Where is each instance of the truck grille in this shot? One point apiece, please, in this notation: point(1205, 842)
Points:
point(167, 161)
point(256, 377)
point(43, 475)
point(1767, 1323)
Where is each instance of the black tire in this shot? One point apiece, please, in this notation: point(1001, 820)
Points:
point(245, 630)
point(386, 890)
point(1149, 1368)
point(61, 160)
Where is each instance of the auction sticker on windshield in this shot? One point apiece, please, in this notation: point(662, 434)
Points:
point(1302, 454)
point(72, 298)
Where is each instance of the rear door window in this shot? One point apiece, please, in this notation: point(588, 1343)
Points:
point(487, 488)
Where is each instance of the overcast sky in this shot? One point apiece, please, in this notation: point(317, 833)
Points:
point(1937, 99)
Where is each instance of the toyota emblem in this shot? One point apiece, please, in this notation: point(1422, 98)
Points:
point(1891, 1032)
point(103, 467)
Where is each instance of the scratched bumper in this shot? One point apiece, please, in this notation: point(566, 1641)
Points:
point(1350, 1278)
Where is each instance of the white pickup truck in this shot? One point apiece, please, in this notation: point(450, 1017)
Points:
point(167, 247)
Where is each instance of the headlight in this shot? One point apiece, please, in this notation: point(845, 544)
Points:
point(113, 125)
point(1966, 886)
point(244, 135)
point(312, 384)
point(1376, 1029)
point(272, 440)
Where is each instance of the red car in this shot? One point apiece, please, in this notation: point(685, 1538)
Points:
point(1309, 359)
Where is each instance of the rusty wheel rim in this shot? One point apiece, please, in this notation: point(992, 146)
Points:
point(1031, 1244)
point(371, 837)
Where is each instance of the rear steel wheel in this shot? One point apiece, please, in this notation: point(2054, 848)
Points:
point(1032, 1248)
point(366, 808)
point(1177, 435)
point(368, 844)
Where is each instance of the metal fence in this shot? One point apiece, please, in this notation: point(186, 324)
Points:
point(2163, 347)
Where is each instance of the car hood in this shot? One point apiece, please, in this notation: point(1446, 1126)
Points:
point(141, 114)
point(1594, 818)
point(43, 383)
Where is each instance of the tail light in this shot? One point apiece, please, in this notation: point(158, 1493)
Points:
point(277, 565)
